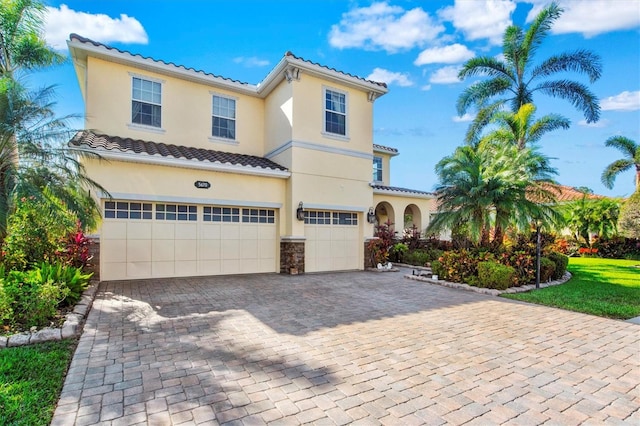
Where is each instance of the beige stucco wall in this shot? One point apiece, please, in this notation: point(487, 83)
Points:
point(278, 120)
point(186, 110)
point(386, 164)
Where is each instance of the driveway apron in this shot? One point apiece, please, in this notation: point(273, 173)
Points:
point(343, 348)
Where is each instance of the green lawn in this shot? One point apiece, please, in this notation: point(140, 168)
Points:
point(31, 379)
point(604, 287)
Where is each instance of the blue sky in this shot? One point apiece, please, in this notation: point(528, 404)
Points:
point(414, 46)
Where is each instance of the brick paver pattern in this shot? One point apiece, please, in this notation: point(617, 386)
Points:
point(343, 348)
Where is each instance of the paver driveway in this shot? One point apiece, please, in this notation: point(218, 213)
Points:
point(360, 347)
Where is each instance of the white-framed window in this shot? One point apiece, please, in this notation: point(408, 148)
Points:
point(146, 102)
point(223, 122)
point(258, 216)
point(176, 212)
point(377, 169)
point(127, 210)
point(335, 112)
point(313, 217)
point(221, 214)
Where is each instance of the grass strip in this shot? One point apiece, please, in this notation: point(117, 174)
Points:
point(31, 378)
point(603, 287)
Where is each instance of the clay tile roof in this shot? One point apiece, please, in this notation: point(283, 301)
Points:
point(398, 189)
point(384, 148)
point(88, 139)
point(81, 39)
point(564, 193)
point(290, 54)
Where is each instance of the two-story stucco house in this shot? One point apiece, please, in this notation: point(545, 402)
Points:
point(209, 175)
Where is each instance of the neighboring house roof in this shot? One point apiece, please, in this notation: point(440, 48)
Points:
point(385, 149)
point(382, 189)
point(565, 193)
point(141, 150)
point(79, 47)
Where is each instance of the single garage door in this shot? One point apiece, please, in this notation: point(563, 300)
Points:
point(332, 241)
point(146, 240)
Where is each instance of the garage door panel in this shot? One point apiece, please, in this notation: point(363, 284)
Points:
point(113, 250)
point(163, 231)
point(157, 243)
point(210, 232)
point(209, 249)
point(249, 249)
point(138, 250)
point(163, 250)
point(138, 269)
point(114, 230)
point(332, 241)
point(186, 231)
point(230, 249)
point(139, 230)
point(185, 250)
point(163, 269)
point(186, 268)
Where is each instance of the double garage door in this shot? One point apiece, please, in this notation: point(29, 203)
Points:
point(146, 240)
point(332, 241)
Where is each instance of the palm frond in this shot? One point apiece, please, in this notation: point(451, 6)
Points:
point(478, 93)
point(576, 93)
point(580, 61)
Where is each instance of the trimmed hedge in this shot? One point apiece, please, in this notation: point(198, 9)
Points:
point(495, 275)
point(561, 262)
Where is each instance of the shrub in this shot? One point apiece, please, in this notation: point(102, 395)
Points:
point(495, 275)
point(76, 250)
point(422, 257)
point(618, 247)
point(437, 269)
point(547, 269)
point(34, 232)
point(397, 252)
point(32, 300)
point(378, 251)
point(411, 237)
point(524, 265)
point(560, 261)
point(629, 220)
point(459, 265)
point(67, 276)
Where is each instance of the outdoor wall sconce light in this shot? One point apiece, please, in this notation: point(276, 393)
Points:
point(300, 212)
point(371, 216)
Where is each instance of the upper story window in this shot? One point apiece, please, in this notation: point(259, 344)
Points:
point(335, 112)
point(224, 117)
point(377, 169)
point(146, 102)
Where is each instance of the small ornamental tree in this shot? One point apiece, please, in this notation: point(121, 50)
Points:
point(629, 222)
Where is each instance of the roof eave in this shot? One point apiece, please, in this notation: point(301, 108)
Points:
point(386, 151)
point(184, 163)
point(80, 51)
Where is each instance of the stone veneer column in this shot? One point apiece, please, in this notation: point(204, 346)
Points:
point(292, 255)
point(94, 263)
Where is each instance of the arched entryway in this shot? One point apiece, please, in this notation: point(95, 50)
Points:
point(412, 217)
point(385, 213)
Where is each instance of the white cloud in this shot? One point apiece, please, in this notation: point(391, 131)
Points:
point(251, 62)
point(445, 75)
point(625, 101)
point(426, 87)
point(59, 23)
point(381, 26)
point(598, 124)
point(452, 54)
point(463, 119)
point(592, 17)
point(389, 77)
point(477, 19)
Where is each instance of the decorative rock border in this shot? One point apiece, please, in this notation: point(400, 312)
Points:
point(491, 291)
point(72, 325)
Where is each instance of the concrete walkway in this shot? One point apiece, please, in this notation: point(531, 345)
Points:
point(343, 348)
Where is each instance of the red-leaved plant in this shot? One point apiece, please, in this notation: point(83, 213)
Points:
point(76, 251)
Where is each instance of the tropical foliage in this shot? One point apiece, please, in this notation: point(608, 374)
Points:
point(487, 186)
point(631, 160)
point(587, 217)
point(514, 78)
point(629, 221)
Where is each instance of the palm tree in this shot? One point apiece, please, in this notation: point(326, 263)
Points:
point(519, 128)
point(21, 44)
point(515, 79)
point(487, 186)
point(631, 151)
